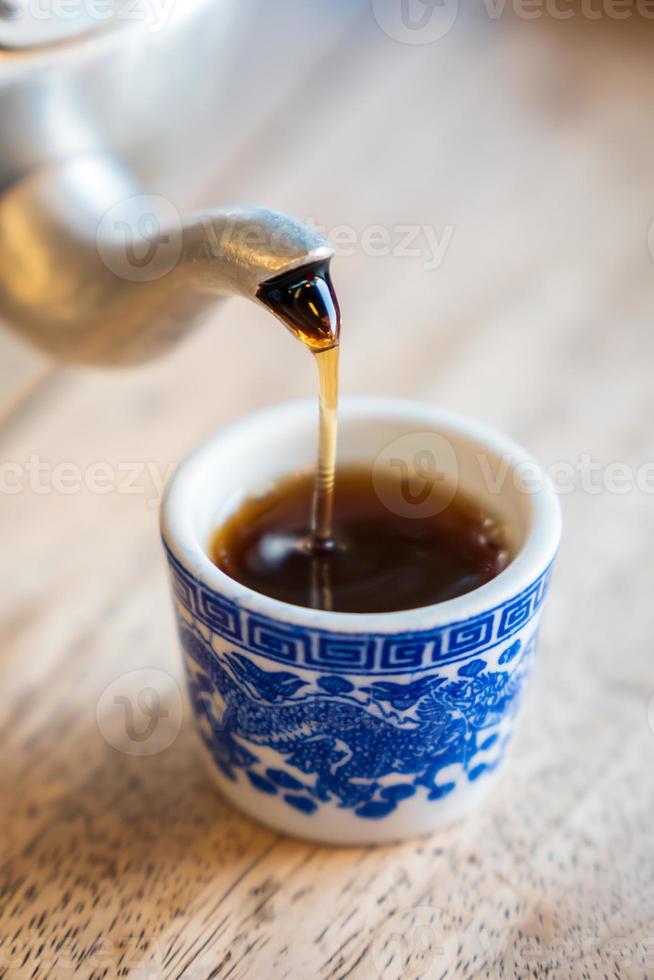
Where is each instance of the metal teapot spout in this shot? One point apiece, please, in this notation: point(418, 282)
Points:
point(94, 271)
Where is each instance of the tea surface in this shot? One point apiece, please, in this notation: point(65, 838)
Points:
point(378, 559)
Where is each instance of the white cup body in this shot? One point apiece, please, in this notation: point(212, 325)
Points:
point(352, 727)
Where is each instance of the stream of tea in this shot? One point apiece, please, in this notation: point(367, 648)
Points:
point(322, 510)
point(305, 301)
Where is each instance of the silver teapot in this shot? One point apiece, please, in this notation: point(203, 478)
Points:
point(102, 119)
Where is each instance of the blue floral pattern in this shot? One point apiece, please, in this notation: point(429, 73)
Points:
point(362, 742)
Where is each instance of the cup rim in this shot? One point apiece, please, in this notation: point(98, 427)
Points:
point(529, 564)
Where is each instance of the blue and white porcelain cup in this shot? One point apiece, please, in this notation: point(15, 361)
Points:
point(355, 728)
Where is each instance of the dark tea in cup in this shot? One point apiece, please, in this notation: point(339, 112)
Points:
point(379, 558)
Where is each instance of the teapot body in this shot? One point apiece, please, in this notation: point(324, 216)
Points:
point(109, 132)
point(149, 91)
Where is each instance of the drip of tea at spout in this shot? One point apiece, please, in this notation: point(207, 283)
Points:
point(304, 300)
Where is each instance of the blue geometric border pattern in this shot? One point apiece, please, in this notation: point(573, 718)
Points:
point(358, 653)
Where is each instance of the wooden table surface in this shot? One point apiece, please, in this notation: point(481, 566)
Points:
point(527, 146)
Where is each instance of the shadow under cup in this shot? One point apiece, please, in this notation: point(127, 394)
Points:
point(356, 728)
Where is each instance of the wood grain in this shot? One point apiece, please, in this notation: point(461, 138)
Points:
point(533, 141)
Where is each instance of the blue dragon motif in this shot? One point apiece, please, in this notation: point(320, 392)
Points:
point(338, 739)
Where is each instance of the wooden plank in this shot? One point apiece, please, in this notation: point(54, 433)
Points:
point(538, 320)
